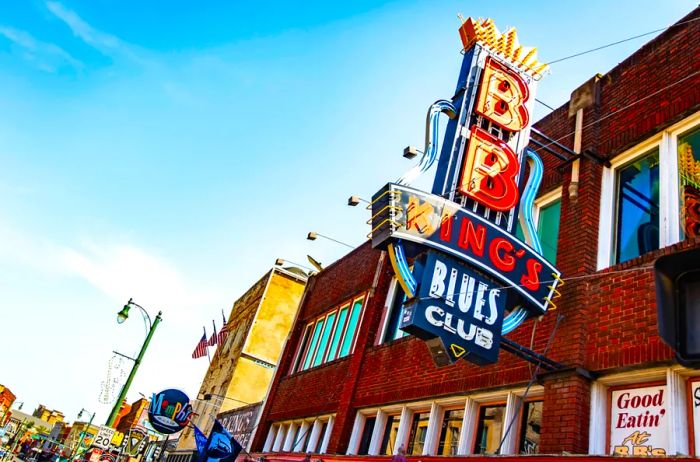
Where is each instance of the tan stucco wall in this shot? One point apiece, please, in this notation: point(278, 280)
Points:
point(260, 321)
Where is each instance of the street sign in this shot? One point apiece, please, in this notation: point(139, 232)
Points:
point(457, 305)
point(104, 437)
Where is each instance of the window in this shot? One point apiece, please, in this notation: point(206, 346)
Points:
point(321, 438)
point(689, 180)
point(394, 308)
point(449, 435)
point(530, 428)
point(366, 438)
point(546, 214)
point(419, 428)
point(637, 204)
point(488, 430)
point(391, 431)
point(329, 337)
point(650, 195)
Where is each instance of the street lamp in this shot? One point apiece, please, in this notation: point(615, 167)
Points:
point(312, 235)
point(82, 434)
point(122, 316)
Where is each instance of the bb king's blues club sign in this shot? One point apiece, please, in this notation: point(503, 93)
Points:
point(468, 280)
point(170, 411)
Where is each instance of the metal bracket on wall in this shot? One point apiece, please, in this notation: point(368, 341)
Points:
point(531, 356)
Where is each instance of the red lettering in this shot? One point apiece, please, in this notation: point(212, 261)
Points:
point(621, 420)
point(502, 97)
point(470, 237)
point(500, 252)
point(446, 228)
point(490, 171)
point(531, 280)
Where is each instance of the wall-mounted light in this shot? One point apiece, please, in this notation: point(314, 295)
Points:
point(409, 152)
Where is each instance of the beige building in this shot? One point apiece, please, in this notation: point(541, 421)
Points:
point(48, 415)
point(242, 368)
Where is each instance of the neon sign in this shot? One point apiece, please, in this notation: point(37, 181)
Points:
point(466, 223)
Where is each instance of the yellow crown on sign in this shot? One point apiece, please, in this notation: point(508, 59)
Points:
point(505, 44)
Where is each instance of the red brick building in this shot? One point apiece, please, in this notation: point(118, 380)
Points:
point(350, 383)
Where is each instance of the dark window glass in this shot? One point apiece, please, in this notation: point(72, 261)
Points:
point(449, 435)
point(530, 428)
point(489, 429)
point(637, 230)
point(302, 348)
point(321, 437)
point(366, 438)
point(419, 427)
point(394, 316)
point(391, 430)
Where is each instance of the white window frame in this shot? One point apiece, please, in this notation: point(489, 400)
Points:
point(513, 399)
point(675, 378)
point(390, 296)
point(669, 201)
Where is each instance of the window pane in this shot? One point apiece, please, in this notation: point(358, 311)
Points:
point(391, 430)
point(321, 436)
point(302, 347)
point(548, 230)
point(395, 310)
point(352, 326)
point(321, 352)
point(366, 436)
point(488, 433)
point(314, 342)
point(530, 428)
point(338, 333)
point(637, 208)
point(449, 435)
point(419, 427)
point(689, 177)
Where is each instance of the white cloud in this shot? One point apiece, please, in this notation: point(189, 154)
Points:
point(104, 42)
point(123, 271)
point(46, 56)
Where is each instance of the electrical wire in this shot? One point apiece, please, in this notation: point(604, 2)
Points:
point(572, 278)
point(620, 41)
point(623, 108)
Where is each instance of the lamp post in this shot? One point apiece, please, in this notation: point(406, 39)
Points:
point(82, 434)
point(121, 317)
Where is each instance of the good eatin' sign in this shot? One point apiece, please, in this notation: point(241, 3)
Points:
point(468, 280)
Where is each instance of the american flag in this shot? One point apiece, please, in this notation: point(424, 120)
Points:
point(213, 340)
point(201, 348)
point(223, 333)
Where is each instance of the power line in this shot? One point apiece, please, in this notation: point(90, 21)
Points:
point(572, 278)
point(620, 41)
point(621, 109)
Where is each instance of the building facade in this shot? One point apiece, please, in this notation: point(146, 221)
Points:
point(243, 365)
point(6, 400)
point(620, 189)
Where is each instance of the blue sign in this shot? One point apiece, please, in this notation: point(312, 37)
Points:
point(170, 411)
point(458, 306)
point(431, 221)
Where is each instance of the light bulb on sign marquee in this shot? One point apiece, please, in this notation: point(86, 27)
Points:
point(460, 236)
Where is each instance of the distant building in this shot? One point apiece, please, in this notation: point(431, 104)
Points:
point(48, 415)
point(243, 366)
point(134, 417)
point(6, 400)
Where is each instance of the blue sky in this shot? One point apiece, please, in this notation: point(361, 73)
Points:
point(171, 151)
